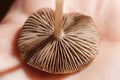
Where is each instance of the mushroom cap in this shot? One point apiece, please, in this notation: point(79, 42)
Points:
point(72, 51)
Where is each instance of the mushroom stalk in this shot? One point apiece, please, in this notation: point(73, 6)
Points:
point(58, 18)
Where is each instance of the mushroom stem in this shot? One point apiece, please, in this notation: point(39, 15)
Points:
point(58, 18)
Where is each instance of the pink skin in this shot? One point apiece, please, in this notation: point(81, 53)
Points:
point(106, 65)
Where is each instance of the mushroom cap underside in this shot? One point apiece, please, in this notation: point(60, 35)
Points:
point(72, 51)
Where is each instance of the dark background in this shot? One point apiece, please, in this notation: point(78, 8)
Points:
point(4, 7)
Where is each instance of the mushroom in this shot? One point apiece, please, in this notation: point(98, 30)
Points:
point(58, 43)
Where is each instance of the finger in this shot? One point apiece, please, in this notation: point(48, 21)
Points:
point(107, 18)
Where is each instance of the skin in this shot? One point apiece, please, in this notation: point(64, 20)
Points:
point(106, 65)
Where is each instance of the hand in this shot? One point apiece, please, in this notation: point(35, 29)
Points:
point(106, 65)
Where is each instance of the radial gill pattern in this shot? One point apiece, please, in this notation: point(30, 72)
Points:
point(71, 52)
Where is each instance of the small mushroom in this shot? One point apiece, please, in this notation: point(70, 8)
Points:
point(57, 43)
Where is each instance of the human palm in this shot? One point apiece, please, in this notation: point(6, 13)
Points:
point(106, 65)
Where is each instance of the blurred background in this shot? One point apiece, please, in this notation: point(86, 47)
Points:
point(4, 7)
